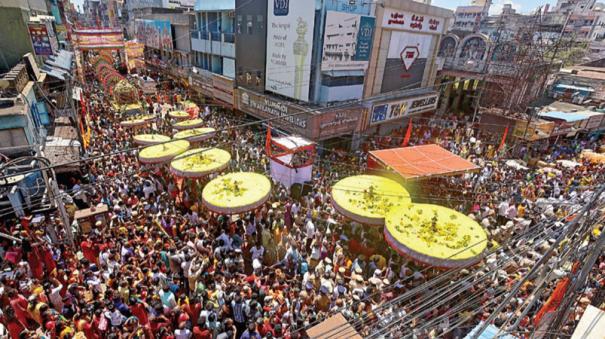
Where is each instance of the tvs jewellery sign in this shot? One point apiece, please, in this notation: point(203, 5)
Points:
point(398, 109)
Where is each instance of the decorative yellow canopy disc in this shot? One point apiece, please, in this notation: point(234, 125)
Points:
point(150, 139)
point(178, 115)
point(236, 193)
point(435, 235)
point(127, 107)
point(196, 134)
point(368, 198)
point(186, 124)
point(137, 121)
point(200, 162)
point(159, 154)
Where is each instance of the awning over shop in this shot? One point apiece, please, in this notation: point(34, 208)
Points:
point(567, 117)
point(490, 332)
point(347, 73)
point(420, 162)
point(591, 325)
point(334, 327)
point(564, 87)
point(62, 60)
point(59, 66)
point(63, 153)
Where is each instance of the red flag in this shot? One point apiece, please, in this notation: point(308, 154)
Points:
point(503, 139)
point(553, 301)
point(268, 141)
point(408, 133)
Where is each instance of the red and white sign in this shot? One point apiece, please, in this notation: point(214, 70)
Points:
point(408, 56)
point(410, 21)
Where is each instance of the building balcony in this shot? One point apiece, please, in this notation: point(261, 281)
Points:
point(217, 43)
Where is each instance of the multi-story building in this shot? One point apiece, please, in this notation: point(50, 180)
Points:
point(15, 38)
point(321, 64)
point(469, 18)
point(403, 66)
point(213, 47)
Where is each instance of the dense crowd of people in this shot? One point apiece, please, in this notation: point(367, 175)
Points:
point(162, 266)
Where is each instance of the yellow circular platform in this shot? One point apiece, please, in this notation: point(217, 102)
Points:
point(179, 115)
point(150, 139)
point(200, 162)
point(435, 235)
point(196, 134)
point(236, 193)
point(137, 121)
point(187, 124)
point(159, 154)
point(368, 198)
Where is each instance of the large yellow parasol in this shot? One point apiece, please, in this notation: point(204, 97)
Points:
point(159, 154)
point(137, 121)
point(368, 198)
point(178, 115)
point(199, 162)
point(150, 139)
point(236, 193)
point(435, 235)
point(187, 124)
point(196, 134)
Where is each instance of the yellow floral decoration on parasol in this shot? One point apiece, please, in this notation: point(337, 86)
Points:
point(236, 193)
point(368, 198)
point(199, 162)
point(435, 235)
point(162, 153)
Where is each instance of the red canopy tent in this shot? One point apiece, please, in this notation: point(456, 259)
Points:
point(420, 162)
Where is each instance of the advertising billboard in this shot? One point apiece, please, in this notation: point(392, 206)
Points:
point(347, 41)
point(290, 25)
point(154, 33)
point(406, 60)
point(401, 108)
point(40, 40)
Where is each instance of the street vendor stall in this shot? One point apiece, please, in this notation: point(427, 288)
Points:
point(236, 193)
point(291, 160)
point(434, 235)
point(368, 198)
point(420, 162)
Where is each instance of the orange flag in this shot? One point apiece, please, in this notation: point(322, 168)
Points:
point(268, 141)
point(503, 139)
point(408, 134)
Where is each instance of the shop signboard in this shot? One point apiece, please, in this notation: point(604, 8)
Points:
point(40, 39)
point(337, 122)
point(398, 109)
point(222, 88)
point(538, 129)
point(347, 41)
point(202, 81)
point(290, 25)
point(265, 107)
point(410, 21)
